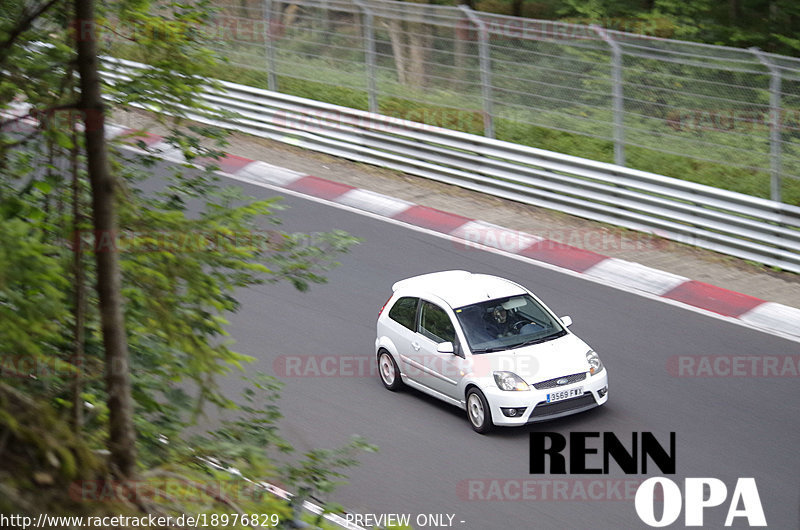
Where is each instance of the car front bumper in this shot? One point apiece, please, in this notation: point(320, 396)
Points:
point(535, 401)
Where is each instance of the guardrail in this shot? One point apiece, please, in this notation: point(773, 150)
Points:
point(731, 223)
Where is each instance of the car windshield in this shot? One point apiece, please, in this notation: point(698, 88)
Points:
point(507, 323)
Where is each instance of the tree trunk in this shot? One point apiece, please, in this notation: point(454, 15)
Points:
point(460, 49)
point(418, 39)
point(398, 48)
point(122, 437)
point(773, 14)
point(733, 12)
point(516, 7)
point(78, 337)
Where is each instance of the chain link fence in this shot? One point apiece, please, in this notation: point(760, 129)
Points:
point(721, 116)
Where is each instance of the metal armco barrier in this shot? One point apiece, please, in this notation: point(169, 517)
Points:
point(731, 223)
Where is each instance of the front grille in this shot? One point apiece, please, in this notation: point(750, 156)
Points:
point(551, 383)
point(546, 409)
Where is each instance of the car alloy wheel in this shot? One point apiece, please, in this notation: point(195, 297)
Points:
point(390, 374)
point(480, 417)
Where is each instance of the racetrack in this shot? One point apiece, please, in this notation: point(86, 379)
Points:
point(431, 462)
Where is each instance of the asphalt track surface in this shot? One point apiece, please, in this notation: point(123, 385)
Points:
point(431, 462)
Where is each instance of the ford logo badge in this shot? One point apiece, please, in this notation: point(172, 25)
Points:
point(562, 381)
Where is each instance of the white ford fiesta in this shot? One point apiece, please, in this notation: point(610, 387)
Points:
point(486, 345)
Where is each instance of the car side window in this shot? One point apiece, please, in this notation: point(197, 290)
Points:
point(404, 312)
point(435, 324)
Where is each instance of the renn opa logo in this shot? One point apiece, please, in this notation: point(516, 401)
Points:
point(698, 493)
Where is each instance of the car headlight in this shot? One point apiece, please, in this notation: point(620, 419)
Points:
point(510, 381)
point(595, 364)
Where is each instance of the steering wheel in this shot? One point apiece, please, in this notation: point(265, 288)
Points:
point(516, 327)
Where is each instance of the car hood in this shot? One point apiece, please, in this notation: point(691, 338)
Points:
point(538, 362)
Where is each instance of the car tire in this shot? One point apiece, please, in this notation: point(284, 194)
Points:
point(478, 412)
point(389, 372)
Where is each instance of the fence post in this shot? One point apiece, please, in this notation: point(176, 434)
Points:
point(774, 123)
point(272, 79)
point(617, 97)
point(486, 70)
point(369, 41)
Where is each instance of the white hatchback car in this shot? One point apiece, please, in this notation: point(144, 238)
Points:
point(487, 345)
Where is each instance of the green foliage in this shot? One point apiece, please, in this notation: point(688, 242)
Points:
point(320, 471)
point(185, 249)
point(242, 442)
point(317, 472)
point(338, 95)
point(769, 24)
point(32, 305)
point(589, 10)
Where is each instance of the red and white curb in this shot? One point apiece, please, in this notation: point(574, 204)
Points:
point(754, 312)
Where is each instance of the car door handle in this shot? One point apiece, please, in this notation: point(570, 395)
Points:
point(415, 345)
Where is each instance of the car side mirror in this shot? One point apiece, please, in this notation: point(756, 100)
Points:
point(567, 321)
point(445, 347)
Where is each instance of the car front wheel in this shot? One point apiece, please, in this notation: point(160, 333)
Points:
point(390, 374)
point(480, 417)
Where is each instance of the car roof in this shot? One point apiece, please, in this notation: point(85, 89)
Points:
point(459, 288)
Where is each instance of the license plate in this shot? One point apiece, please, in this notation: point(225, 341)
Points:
point(564, 394)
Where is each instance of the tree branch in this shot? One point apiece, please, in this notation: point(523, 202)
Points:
point(23, 26)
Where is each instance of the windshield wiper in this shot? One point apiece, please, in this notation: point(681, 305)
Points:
point(487, 350)
point(540, 339)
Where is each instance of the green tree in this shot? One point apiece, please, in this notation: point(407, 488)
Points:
point(155, 321)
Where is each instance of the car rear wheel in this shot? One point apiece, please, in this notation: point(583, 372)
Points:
point(390, 374)
point(480, 417)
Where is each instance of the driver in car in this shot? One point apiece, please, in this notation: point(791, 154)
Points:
point(500, 323)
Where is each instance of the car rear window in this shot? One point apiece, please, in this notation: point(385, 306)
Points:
point(404, 311)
